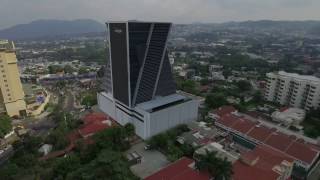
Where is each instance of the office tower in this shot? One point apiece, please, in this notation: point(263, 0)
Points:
point(139, 86)
point(293, 90)
point(11, 94)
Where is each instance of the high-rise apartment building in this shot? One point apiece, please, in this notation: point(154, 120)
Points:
point(293, 90)
point(139, 87)
point(11, 93)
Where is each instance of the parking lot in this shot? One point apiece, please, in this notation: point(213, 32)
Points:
point(151, 162)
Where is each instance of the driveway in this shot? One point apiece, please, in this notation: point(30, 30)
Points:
point(151, 162)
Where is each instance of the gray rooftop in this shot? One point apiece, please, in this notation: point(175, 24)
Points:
point(160, 101)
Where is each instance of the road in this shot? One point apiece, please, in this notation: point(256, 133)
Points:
point(69, 101)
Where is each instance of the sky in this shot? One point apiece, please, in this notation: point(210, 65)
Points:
point(14, 12)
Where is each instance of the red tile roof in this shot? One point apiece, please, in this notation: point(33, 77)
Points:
point(228, 120)
point(294, 147)
point(266, 159)
point(279, 141)
point(302, 152)
point(179, 170)
point(89, 118)
point(223, 110)
point(260, 133)
point(243, 125)
point(92, 128)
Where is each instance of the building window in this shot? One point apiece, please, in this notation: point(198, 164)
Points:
point(5, 80)
point(2, 71)
point(4, 76)
point(9, 94)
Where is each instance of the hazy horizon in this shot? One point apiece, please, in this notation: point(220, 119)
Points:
point(177, 11)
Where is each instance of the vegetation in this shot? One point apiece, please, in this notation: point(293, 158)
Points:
point(89, 99)
point(187, 86)
point(5, 125)
point(244, 85)
point(91, 52)
point(219, 168)
point(166, 143)
point(53, 69)
point(312, 124)
point(214, 101)
point(101, 160)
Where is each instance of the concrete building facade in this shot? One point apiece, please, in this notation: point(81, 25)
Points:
point(293, 90)
point(138, 84)
point(11, 94)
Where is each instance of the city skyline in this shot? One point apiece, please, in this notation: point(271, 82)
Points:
point(176, 11)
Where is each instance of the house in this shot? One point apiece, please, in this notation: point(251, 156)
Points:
point(183, 168)
point(221, 111)
point(263, 163)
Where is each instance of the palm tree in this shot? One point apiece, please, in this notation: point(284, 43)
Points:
point(219, 168)
point(223, 170)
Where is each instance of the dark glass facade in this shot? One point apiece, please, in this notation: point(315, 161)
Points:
point(145, 72)
point(119, 61)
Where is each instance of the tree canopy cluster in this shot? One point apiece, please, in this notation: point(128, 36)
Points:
point(166, 143)
point(104, 159)
point(219, 168)
point(5, 125)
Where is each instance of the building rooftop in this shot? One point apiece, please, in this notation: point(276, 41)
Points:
point(272, 137)
point(161, 101)
point(181, 169)
point(298, 76)
point(224, 110)
point(262, 163)
point(221, 152)
point(6, 45)
point(279, 141)
point(260, 132)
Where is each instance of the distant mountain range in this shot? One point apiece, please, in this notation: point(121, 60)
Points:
point(61, 28)
point(51, 28)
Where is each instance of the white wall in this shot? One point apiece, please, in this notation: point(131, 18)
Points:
point(154, 123)
point(106, 105)
point(172, 116)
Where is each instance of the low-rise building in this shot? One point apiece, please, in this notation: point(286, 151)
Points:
point(263, 163)
point(220, 152)
point(250, 133)
point(183, 168)
point(289, 116)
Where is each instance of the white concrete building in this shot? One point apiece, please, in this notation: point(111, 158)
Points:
point(152, 117)
point(293, 90)
point(216, 72)
point(290, 116)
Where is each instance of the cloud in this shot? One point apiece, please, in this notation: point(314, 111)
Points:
point(179, 11)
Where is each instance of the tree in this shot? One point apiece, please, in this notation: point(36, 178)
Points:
point(215, 100)
point(113, 138)
point(244, 85)
point(130, 130)
point(188, 86)
point(83, 70)
point(62, 166)
point(5, 125)
point(108, 164)
point(68, 69)
point(217, 167)
point(89, 100)
point(53, 69)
